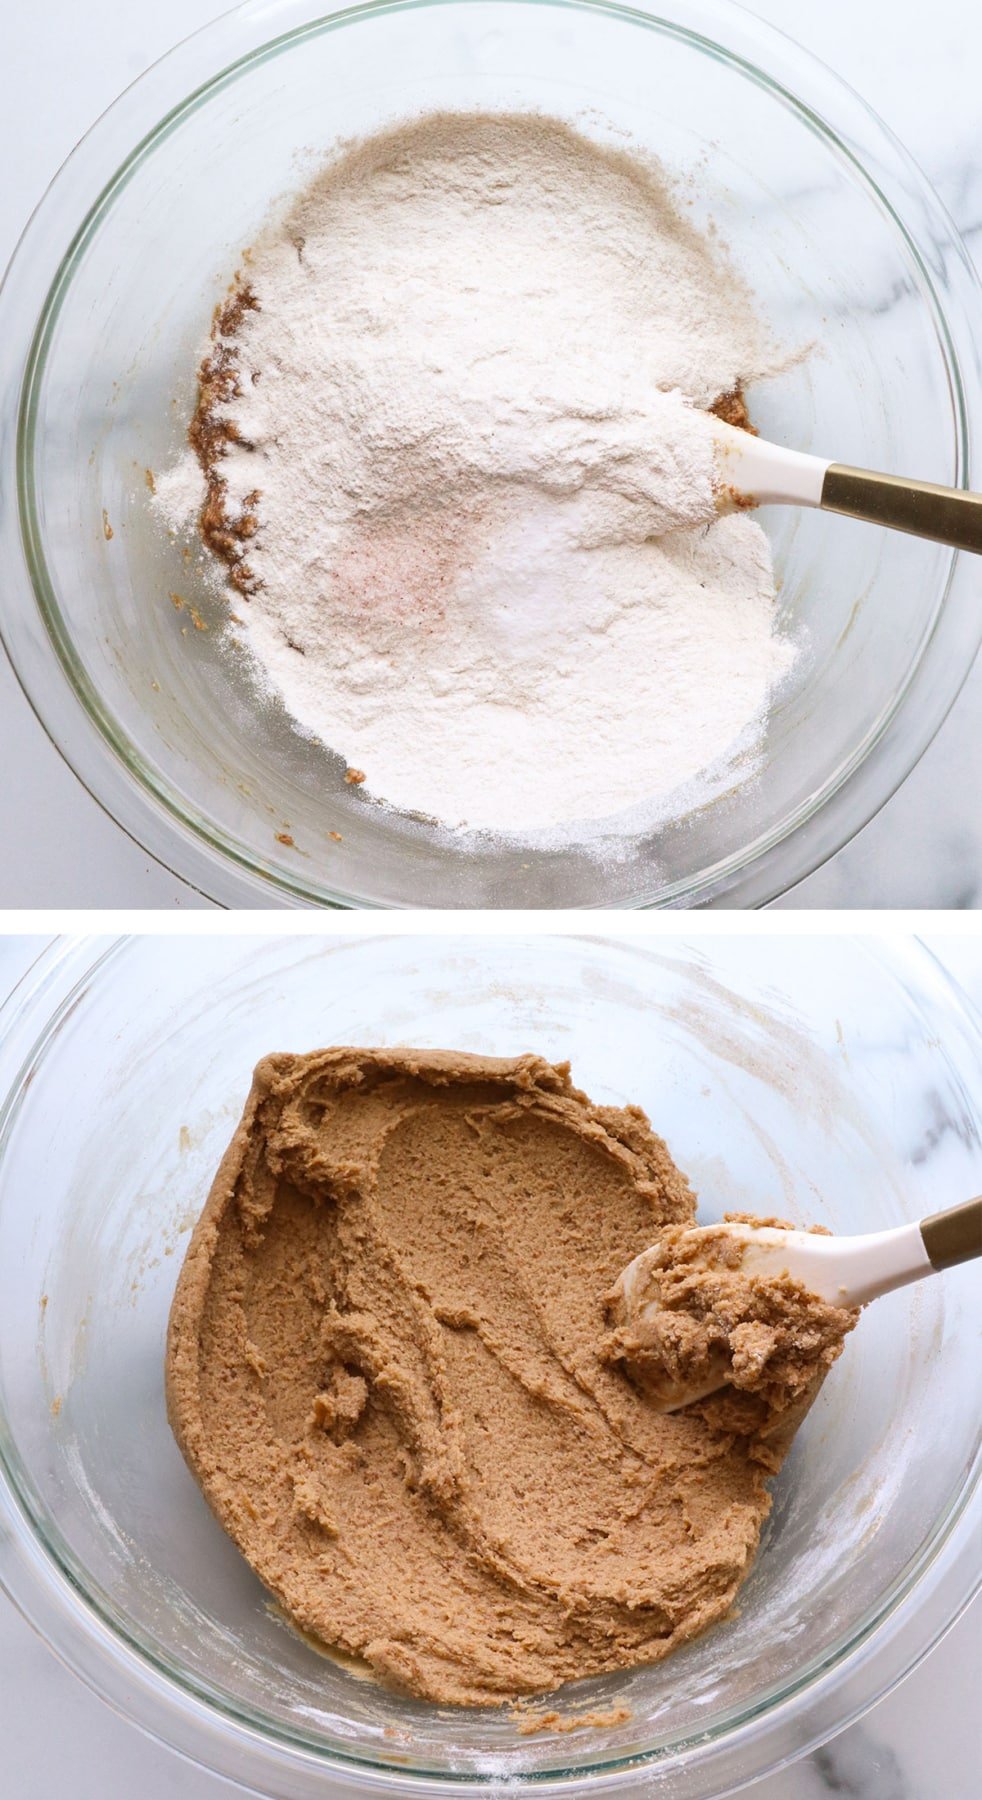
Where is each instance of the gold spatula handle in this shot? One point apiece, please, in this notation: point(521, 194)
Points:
point(954, 1236)
point(949, 515)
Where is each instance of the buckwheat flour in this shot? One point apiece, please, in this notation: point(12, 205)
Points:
point(458, 470)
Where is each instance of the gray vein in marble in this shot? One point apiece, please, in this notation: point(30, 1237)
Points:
point(858, 1766)
point(940, 1125)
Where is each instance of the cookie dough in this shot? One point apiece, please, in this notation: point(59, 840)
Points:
point(391, 1370)
point(689, 1316)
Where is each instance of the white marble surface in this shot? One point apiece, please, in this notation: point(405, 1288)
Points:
point(923, 1742)
point(919, 69)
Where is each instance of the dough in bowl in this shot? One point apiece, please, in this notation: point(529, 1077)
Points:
point(393, 1369)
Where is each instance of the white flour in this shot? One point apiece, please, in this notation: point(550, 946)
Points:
point(470, 394)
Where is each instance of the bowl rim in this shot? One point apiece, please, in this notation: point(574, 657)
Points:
point(111, 766)
point(44, 1580)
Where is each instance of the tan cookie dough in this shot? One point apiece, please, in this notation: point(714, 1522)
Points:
point(692, 1316)
point(390, 1368)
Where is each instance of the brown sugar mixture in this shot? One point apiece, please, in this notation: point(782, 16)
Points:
point(225, 532)
point(391, 1369)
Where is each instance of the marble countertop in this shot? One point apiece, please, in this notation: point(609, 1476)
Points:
point(919, 70)
point(923, 1742)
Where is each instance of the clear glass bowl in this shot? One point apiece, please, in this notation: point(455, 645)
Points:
point(109, 298)
point(825, 1079)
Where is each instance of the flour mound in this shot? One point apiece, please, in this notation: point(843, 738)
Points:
point(462, 416)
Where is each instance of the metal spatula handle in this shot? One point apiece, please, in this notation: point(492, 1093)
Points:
point(947, 515)
point(954, 1236)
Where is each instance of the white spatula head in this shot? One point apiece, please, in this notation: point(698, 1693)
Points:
point(687, 1308)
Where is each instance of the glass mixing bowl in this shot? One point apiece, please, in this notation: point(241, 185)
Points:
point(823, 1079)
point(108, 301)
